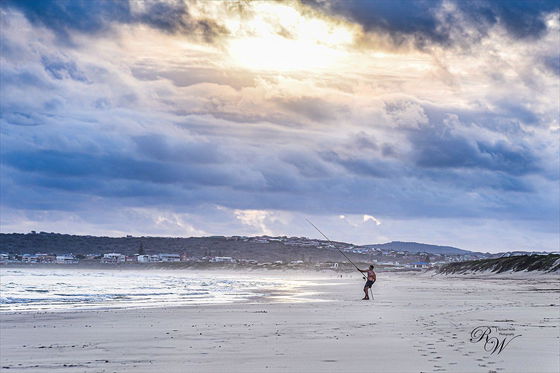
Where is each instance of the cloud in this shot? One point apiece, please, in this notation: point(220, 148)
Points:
point(81, 15)
point(164, 148)
point(260, 220)
point(60, 69)
point(440, 22)
point(355, 163)
point(435, 149)
point(165, 128)
point(521, 19)
point(367, 218)
point(399, 18)
point(66, 17)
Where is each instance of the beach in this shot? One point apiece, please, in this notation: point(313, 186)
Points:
point(417, 322)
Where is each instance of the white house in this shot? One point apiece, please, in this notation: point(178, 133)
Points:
point(419, 265)
point(66, 259)
point(113, 258)
point(29, 258)
point(169, 257)
point(143, 258)
point(222, 259)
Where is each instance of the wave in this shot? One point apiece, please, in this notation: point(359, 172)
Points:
point(42, 289)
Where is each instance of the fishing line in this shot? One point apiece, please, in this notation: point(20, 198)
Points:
point(340, 251)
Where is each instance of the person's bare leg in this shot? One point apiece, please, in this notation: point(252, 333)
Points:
point(366, 296)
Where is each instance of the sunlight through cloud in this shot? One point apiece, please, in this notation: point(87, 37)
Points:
point(279, 37)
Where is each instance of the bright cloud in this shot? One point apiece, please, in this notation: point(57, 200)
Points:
point(367, 218)
point(254, 218)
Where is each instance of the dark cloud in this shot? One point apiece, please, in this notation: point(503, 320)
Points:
point(388, 150)
point(307, 164)
point(552, 63)
point(22, 119)
point(363, 141)
point(360, 165)
point(63, 16)
point(521, 18)
point(477, 179)
point(423, 22)
point(517, 110)
point(161, 148)
point(400, 18)
point(49, 191)
point(443, 149)
point(60, 69)
point(67, 164)
point(175, 17)
point(24, 79)
point(88, 16)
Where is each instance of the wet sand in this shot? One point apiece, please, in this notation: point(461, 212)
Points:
point(416, 323)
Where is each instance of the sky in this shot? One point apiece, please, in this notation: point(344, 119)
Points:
point(429, 121)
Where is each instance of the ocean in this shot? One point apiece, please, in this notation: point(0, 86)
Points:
point(30, 289)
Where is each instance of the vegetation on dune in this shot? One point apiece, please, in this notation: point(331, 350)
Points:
point(544, 263)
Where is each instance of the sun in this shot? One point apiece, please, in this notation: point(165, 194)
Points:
point(280, 38)
point(280, 54)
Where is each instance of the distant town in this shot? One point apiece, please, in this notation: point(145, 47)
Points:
point(242, 251)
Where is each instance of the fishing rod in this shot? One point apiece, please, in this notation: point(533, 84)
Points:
point(340, 251)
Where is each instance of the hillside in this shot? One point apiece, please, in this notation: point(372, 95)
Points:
point(415, 247)
point(250, 248)
point(543, 263)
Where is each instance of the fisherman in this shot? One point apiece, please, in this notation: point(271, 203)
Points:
point(370, 280)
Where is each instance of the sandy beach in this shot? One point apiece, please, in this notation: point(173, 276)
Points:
point(416, 323)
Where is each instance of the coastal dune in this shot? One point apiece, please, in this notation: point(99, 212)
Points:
point(416, 323)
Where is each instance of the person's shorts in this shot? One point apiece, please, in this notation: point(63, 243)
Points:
point(369, 283)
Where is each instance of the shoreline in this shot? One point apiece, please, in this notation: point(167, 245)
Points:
point(178, 266)
point(415, 324)
point(64, 290)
